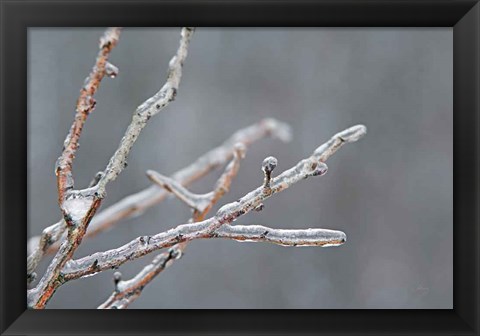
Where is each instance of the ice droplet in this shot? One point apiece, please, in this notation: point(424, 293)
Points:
point(246, 240)
point(332, 244)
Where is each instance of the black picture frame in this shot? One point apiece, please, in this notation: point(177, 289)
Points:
point(17, 15)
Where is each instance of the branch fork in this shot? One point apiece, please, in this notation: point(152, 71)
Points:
point(79, 206)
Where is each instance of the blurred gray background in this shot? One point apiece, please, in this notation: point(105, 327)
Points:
point(391, 192)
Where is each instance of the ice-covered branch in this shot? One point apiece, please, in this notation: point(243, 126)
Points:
point(148, 109)
point(79, 206)
point(311, 166)
point(137, 203)
point(301, 237)
point(128, 291)
point(85, 105)
point(48, 237)
point(201, 202)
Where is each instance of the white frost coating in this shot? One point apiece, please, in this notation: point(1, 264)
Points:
point(134, 205)
point(289, 237)
point(217, 226)
point(89, 275)
point(77, 208)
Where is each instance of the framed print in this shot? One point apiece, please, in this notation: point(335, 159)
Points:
point(246, 168)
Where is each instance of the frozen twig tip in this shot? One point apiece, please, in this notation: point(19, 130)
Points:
point(353, 133)
point(268, 165)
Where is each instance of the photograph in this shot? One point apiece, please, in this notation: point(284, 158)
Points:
point(240, 168)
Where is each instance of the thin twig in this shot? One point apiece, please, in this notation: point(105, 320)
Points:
point(79, 206)
point(201, 202)
point(49, 235)
point(147, 110)
point(85, 105)
point(128, 291)
point(136, 204)
point(311, 166)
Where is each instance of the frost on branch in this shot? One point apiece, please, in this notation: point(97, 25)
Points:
point(136, 204)
point(39, 296)
point(311, 166)
point(200, 204)
point(79, 206)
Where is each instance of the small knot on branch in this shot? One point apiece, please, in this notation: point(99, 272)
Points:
point(87, 104)
point(175, 253)
point(117, 277)
point(98, 176)
point(94, 265)
point(318, 169)
point(111, 70)
point(259, 207)
point(268, 165)
point(144, 240)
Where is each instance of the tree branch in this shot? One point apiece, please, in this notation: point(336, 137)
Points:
point(201, 202)
point(301, 237)
point(147, 110)
point(79, 206)
point(128, 291)
point(77, 211)
point(136, 204)
point(49, 235)
point(311, 166)
point(85, 105)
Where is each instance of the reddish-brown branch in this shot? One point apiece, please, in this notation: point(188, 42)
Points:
point(78, 208)
point(85, 105)
point(52, 278)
